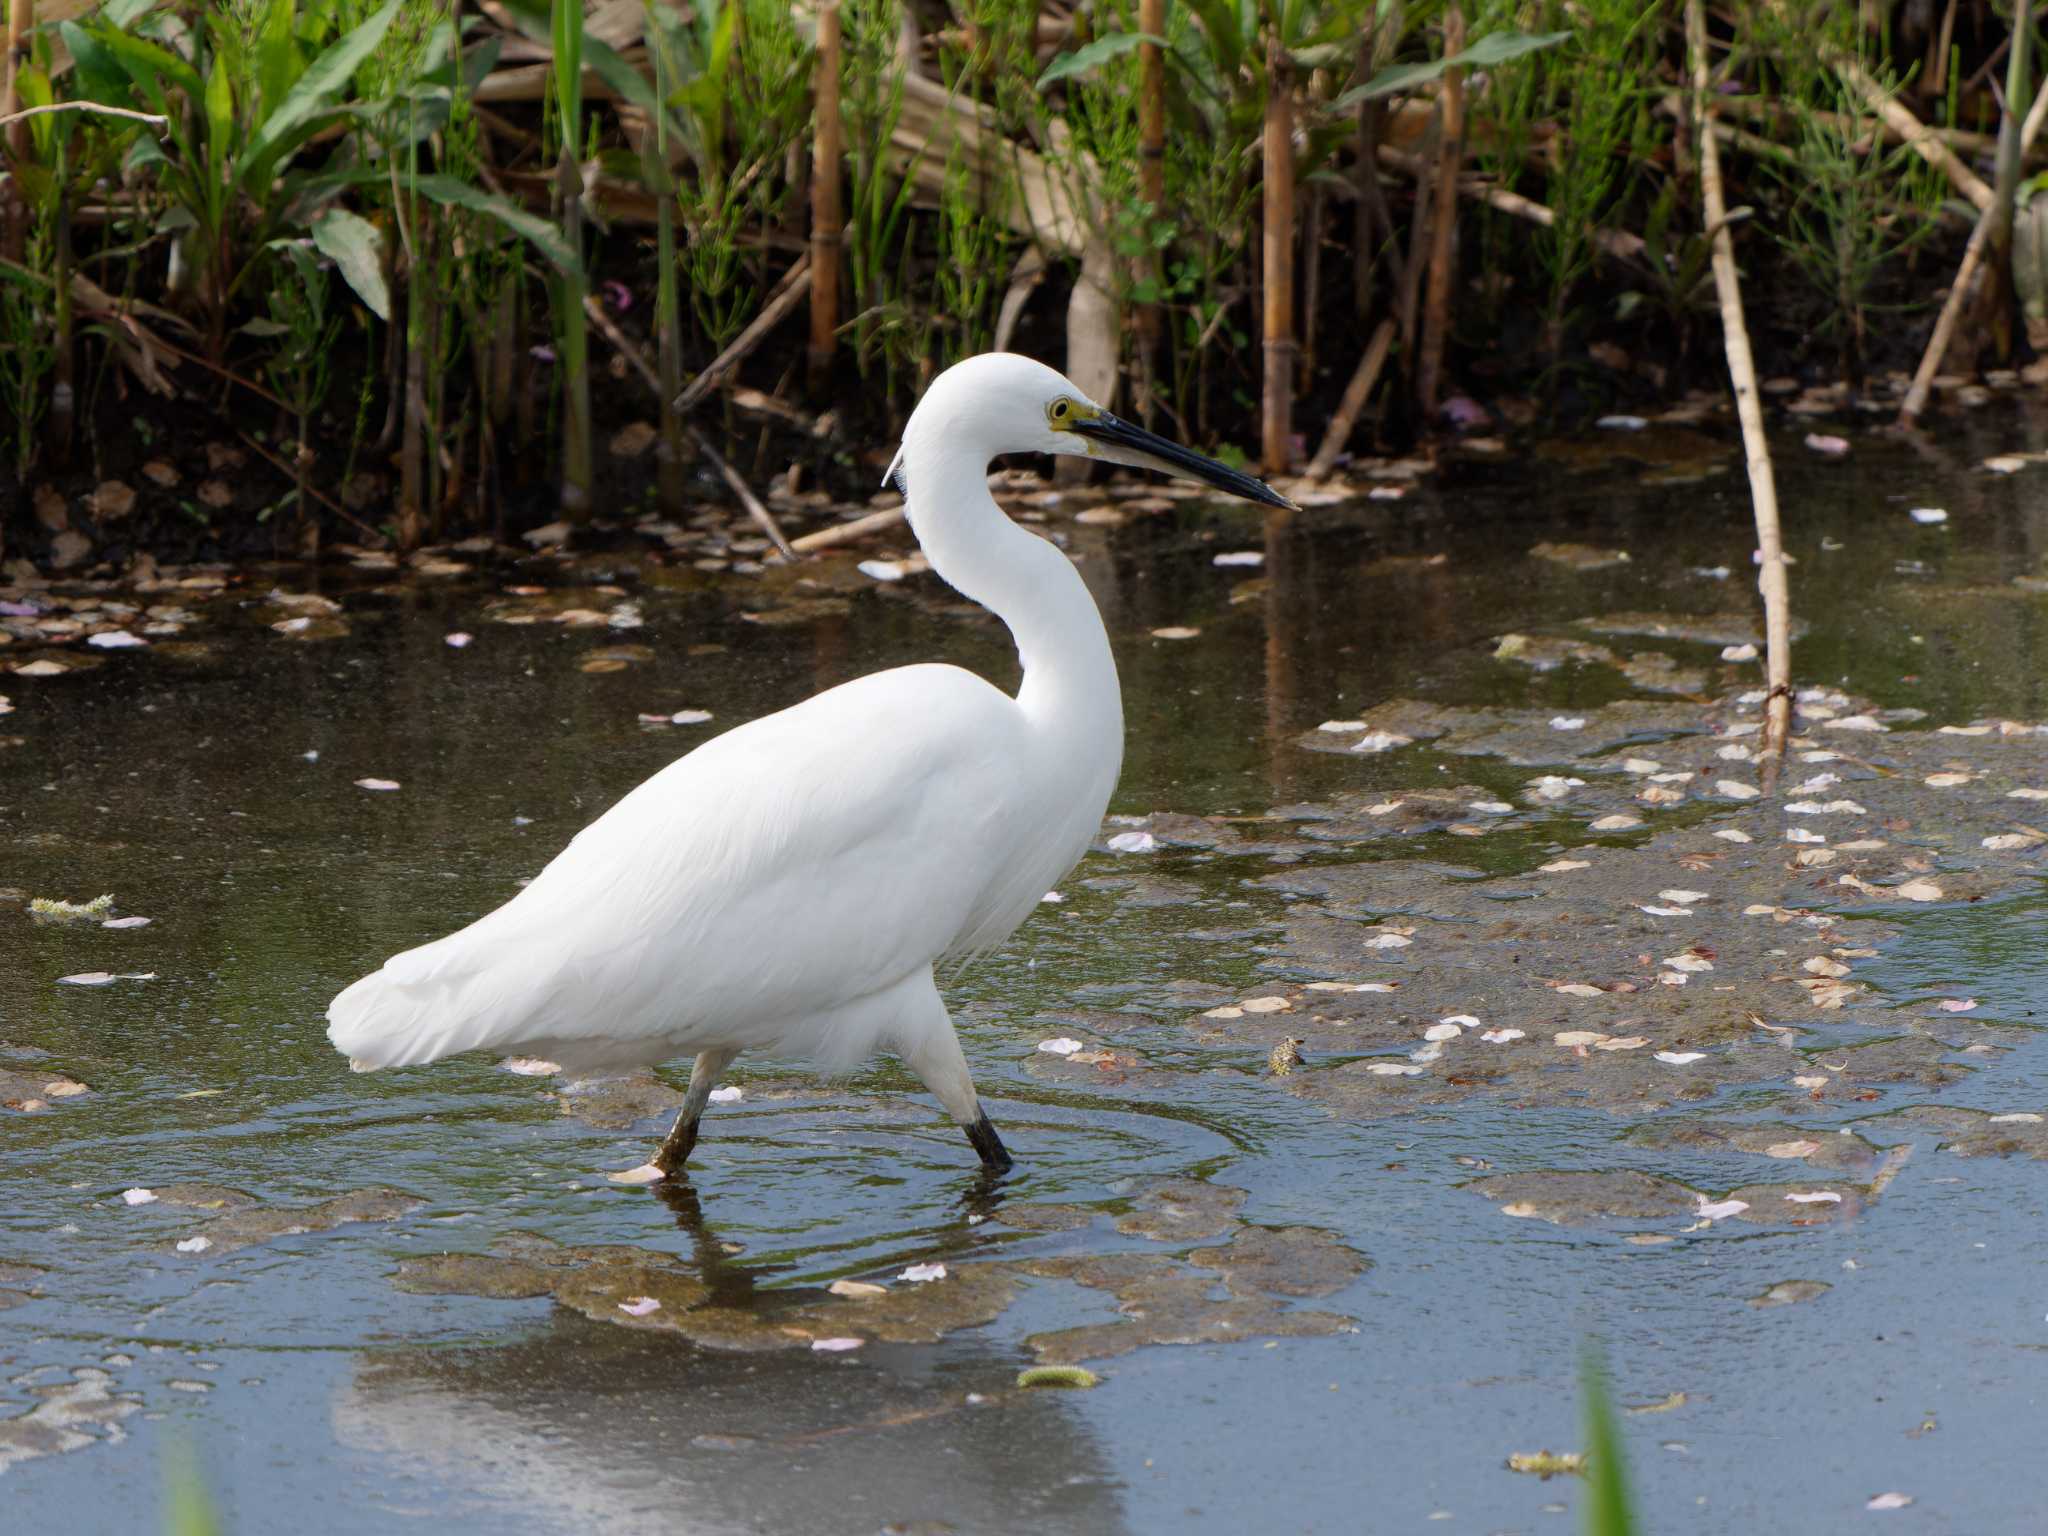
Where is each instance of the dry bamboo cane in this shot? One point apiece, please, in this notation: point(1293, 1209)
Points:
point(21, 21)
point(1151, 150)
point(1436, 308)
point(828, 217)
point(800, 280)
point(1763, 489)
point(1964, 288)
point(1615, 242)
point(846, 533)
point(1277, 412)
point(1900, 119)
point(1356, 393)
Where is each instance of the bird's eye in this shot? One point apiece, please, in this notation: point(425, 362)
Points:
point(1061, 410)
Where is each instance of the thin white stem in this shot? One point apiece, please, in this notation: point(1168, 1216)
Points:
point(155, 120)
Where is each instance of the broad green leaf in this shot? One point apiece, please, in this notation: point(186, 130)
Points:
point(287, 124)
point(1494, 48)
point(220, 118)
point(98, 74)
point(1226, 36)
point(1093, 55)
point(119, 13)
point(450, 192)
point(149, 66)
point(278, 63)
point(354, 246)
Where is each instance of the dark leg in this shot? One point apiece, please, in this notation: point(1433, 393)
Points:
point(983, 1138)
point(682, 1138)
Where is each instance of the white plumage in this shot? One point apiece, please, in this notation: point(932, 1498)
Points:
point(790, 885)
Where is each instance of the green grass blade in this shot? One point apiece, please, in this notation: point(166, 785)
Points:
point(1608, 1511)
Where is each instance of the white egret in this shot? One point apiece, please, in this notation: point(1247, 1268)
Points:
point(790, 885)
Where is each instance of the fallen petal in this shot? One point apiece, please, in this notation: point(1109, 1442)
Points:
point(639, 1306)
point(1718, 1210)
point(139, 1196)
point(924, 1272)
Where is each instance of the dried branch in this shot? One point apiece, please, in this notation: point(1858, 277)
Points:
point(1763, 489)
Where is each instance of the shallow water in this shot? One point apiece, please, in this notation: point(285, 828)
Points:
point(316, 1395)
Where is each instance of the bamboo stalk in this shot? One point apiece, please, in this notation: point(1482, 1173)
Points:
point(1356, 393)
point(566, 30)
point(1436, 308)
point(1964, 288)
point(828, 214)
point(800, 280)
point(670, 486)
point(2006, 183)
point(575, 374)
point(1763, 488)
point(63, 368)
point(1277, 412)
point(21, 22)
point(1151, 151)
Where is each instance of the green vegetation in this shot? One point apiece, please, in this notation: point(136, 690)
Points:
point(421, 234)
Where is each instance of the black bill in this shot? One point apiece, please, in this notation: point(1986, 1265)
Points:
point(1125, 443)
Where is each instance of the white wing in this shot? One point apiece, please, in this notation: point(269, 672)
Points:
point(745, 893)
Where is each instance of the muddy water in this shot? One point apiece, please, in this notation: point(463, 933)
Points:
point(1306, 1298)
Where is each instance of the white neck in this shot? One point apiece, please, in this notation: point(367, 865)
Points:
point(1070, 686)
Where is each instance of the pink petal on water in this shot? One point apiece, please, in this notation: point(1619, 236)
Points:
point(924, 1272)
point(639, 1306)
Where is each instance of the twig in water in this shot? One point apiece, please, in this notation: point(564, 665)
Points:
point(1356, 393)
point(763, 518)
point(846, 533)
point(1963, 289)
point(1763, 489)
point(320, 496)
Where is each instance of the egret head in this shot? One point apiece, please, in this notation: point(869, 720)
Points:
point(1001, 403)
